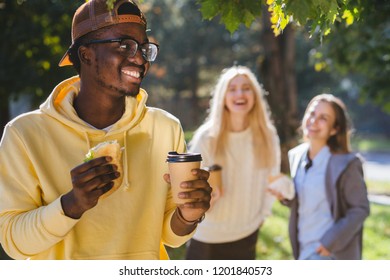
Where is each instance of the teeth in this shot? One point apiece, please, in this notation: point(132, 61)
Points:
point(240, 102)
point(134, 74)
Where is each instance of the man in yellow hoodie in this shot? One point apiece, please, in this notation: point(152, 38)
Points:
point(49, 198)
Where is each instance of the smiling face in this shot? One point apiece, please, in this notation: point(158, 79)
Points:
point(108, 68)
point(240, 97)
point(319, 122)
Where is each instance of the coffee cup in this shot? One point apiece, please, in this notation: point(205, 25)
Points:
point(180, 166)
point(215, 178)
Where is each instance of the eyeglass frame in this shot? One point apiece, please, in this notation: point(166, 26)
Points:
point(120, 40)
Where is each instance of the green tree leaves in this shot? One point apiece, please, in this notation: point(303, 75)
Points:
point(320, 15)
point(232, 13)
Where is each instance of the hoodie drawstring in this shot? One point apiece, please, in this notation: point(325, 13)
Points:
point(88, 142)
point(125, 181)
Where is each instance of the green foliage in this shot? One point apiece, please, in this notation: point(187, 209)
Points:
point(188, 135)
point(110, 3)
point(320, 15)
point(354, 36)
point(35, 36)
point(371, 143)
point(361, 51)
point(233, 13)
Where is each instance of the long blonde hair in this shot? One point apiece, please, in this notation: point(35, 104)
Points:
point(265, 139)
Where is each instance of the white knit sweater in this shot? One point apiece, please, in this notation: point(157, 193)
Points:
point(245, 203)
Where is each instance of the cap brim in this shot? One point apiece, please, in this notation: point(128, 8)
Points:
point(65, 61)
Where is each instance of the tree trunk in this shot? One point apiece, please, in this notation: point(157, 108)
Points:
point(279, 78)
point(194, 87)
point(4, 112)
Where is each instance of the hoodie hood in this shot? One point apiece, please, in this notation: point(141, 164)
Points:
point(59, 105)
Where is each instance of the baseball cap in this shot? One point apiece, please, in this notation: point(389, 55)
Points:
point(95, 14)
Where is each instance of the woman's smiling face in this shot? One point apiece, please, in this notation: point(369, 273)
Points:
point(319, 122)
point(240, 97)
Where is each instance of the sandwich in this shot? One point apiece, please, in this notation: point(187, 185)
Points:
point(114, 150)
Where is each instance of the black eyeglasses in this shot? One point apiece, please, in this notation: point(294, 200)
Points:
point(129, 47)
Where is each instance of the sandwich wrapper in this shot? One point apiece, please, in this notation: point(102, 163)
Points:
point(283, 185)
point(113, 149)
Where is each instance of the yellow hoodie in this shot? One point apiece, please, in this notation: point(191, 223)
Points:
point(37, 152)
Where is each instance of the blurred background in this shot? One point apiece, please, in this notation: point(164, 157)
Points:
point(352, 62)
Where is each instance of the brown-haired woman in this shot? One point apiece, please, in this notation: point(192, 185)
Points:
point(330, 205)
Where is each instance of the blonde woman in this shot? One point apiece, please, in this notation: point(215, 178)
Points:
point(330, 206)
point(238, 135)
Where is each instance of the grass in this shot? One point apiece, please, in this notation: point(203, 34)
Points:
point(378, 187)
point(274, 244)
point(376, 238)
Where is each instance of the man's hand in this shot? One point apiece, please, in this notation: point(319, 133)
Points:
point(199, 192)
point(90, 180)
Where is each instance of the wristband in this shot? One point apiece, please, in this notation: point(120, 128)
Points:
point(186, 222)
